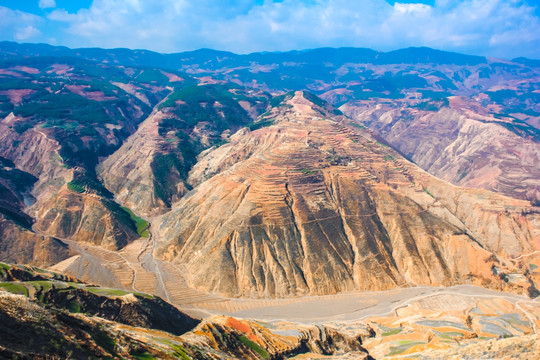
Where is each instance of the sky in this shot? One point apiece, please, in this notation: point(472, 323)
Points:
point(495, 28)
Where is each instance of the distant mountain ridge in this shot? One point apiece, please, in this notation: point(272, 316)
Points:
point(123, 56)
point(341, 55)
point(362, 72)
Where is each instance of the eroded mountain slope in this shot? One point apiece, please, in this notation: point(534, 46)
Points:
point(463, 143)
point(310, 205)
point(58, 117)
point(149, 171)
point(18, 243)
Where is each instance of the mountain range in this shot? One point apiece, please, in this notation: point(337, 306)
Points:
point(224, 183)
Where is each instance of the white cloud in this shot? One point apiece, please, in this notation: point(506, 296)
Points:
point(489, 27)
point(43, 4)
point(18, 25)
point(26, 33)
point(411, 8)
point(63, 16)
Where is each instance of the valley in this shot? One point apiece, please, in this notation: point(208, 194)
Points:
point(394, 216)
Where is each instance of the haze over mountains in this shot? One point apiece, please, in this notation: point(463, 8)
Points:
point(226, 183)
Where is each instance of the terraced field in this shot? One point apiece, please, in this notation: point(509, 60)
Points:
point(304, 177)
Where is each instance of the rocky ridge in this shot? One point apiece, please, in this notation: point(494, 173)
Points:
point(150, 168)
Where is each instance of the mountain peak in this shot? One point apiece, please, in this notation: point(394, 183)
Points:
point(308, 206)
point(304, 103)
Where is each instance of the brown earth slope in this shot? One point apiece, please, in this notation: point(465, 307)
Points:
point(311, 205)
point(148, 172)
point(18, 243)
point(58, 211)
point(128, 172)
point(464, 144)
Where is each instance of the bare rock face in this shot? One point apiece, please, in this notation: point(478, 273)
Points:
point(148, 173)
point(86, 218)
point(18, 243)
point(35, 152)
point(128, 172)
point(57, 211)
point(467, 147)
point(310, 205)
point(22, 246)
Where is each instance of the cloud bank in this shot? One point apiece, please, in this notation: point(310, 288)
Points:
point(501, 28)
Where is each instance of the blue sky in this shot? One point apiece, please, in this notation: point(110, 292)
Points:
point(499, 28)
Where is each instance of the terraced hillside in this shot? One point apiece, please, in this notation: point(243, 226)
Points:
point(312, 205)
point(175, 190)
point(150, 169)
